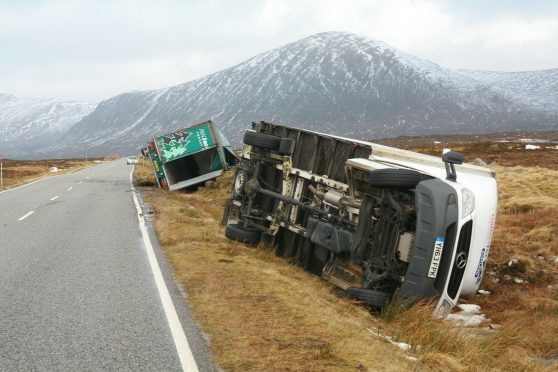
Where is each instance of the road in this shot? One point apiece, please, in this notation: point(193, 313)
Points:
point(83, 282)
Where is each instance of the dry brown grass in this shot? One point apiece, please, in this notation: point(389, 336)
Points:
point(527, 313)
point(511, 347)
point(265, 314)
point(507, 154)
point(260, 312)
point(16, 173)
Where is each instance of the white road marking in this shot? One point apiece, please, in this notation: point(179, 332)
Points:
point(25, 216)
point(180, 341)
point(69, 188)
point(54, 198)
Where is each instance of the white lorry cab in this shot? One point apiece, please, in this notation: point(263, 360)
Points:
point(377, 221)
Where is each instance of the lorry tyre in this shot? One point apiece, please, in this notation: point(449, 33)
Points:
point(238, 233)
point(400, 178)
point(262, 140)
point(240, 178)
point(376, 299)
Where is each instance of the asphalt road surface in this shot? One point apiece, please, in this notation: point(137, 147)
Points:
point(83, 282)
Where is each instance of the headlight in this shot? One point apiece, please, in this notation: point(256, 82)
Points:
point(443, 310)
point(467, 202)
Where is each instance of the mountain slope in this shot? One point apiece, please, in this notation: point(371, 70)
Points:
point(537, 88)
point(29, 123)
point(332, 82)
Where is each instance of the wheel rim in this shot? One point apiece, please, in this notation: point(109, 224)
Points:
point(239, 182)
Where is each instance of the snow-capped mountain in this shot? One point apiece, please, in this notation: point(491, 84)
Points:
point(30, 123)
point(332, 82)
point(539, 89)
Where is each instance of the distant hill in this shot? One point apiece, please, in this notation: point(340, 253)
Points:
point(331, 82)
point(27, 124)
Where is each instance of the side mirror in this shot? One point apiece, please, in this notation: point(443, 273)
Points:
point(451, 158)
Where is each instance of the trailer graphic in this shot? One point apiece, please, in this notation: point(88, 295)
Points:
point(190, 156)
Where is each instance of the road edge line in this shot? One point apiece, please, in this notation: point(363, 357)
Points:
point(179, 337)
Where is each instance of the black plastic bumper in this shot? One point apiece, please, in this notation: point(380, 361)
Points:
point(437, 215)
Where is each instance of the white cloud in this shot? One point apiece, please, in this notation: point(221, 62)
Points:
point(509, 33)
point(402, 23)
point(94, 49)
point(273, 15)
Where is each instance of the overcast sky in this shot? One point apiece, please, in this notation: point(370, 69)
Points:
point(92, 50)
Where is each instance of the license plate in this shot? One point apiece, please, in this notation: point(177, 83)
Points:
point(436, 257)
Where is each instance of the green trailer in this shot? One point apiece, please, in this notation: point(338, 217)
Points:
point(190, 156)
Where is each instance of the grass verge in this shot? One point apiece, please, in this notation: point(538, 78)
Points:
point(260, 312)
point(19, 172)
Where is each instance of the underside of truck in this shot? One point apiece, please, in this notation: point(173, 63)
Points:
point(354, 226)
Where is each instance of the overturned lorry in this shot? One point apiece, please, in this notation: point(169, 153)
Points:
point(376, 221)
point(190, 156)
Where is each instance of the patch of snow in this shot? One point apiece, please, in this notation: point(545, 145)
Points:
point(519, 281)
point(532, 140)
point(471, 308)
point(54, 170)
point(483, 292)
point(547, 361)
point(532, 147)
point(402, 345)
point(469, 316)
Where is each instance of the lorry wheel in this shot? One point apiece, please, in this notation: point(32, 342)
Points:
point(238, 233)
point(400, 178)
point(376, 299)
point(262, 140)
point(240, 179)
